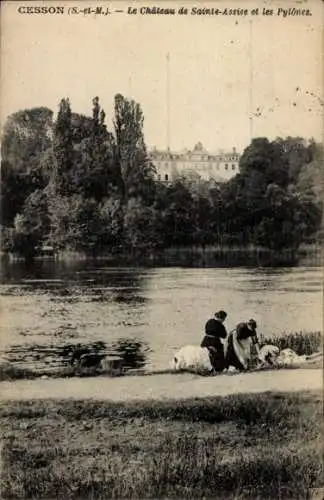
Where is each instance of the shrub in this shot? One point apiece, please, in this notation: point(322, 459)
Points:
point(303, 343)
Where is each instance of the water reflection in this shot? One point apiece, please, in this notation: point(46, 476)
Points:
point(124, 286)
point(59, 275)
point(128, 297)
point(131, 353)
point(281, 280)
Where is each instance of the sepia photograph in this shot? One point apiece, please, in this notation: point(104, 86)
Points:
point(161, 235)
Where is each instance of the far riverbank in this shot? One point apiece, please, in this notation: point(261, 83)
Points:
point(195, 256)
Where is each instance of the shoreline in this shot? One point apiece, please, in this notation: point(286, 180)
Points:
point(209, 256)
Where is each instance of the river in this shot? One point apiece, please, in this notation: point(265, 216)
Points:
point(143, 314)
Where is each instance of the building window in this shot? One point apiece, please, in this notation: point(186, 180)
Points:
point(226, 166)
point(159, 177)
point(233, 167)
point(166, 164)
point(166, 177)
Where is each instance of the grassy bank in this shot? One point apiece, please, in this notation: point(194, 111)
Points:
point(244, 446)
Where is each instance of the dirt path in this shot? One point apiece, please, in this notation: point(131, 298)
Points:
point(166, 386)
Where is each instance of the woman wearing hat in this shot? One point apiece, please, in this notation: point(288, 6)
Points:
point(239, 343)
point(214, 332)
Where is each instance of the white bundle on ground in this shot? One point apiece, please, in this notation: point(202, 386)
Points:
point(192, 358)
point(288, 357)
point(316, 356)
point(268, 354)
point(271, 356)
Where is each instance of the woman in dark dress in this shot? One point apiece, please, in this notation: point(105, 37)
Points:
point(214, 332)
point(239, 343)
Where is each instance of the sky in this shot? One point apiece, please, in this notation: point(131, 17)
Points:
point(222, 69)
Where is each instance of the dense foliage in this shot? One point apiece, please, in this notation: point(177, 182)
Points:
point(74, 185)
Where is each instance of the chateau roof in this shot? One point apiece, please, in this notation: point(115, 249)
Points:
point(198, 149)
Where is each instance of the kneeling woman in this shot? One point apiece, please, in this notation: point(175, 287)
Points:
point(214, 332)
point(239, 344)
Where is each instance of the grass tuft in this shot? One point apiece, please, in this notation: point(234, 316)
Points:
point(303, 343)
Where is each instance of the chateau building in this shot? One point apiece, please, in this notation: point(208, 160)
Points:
point(196, 164)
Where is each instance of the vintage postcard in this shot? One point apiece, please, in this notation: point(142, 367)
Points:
point(162, 189)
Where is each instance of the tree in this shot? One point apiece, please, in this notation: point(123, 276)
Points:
point(261, 204)
point(111, 214)
point(244, 198)
point(297, 153)
point(262, 163)
point(311, 175)
point(135, 168)
point(26, 135)
point(75, 223)
point(82, 127)
point(15, 187)
point(63, 149)
point(95, 173)
point(288, 218)
point(203, 227)
point(100, 175)
point(61, 215)
point(176, 217)
point(236, 209)
point(26, 138)
point(31, 227)
point(141, 228)
point(218, 213)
